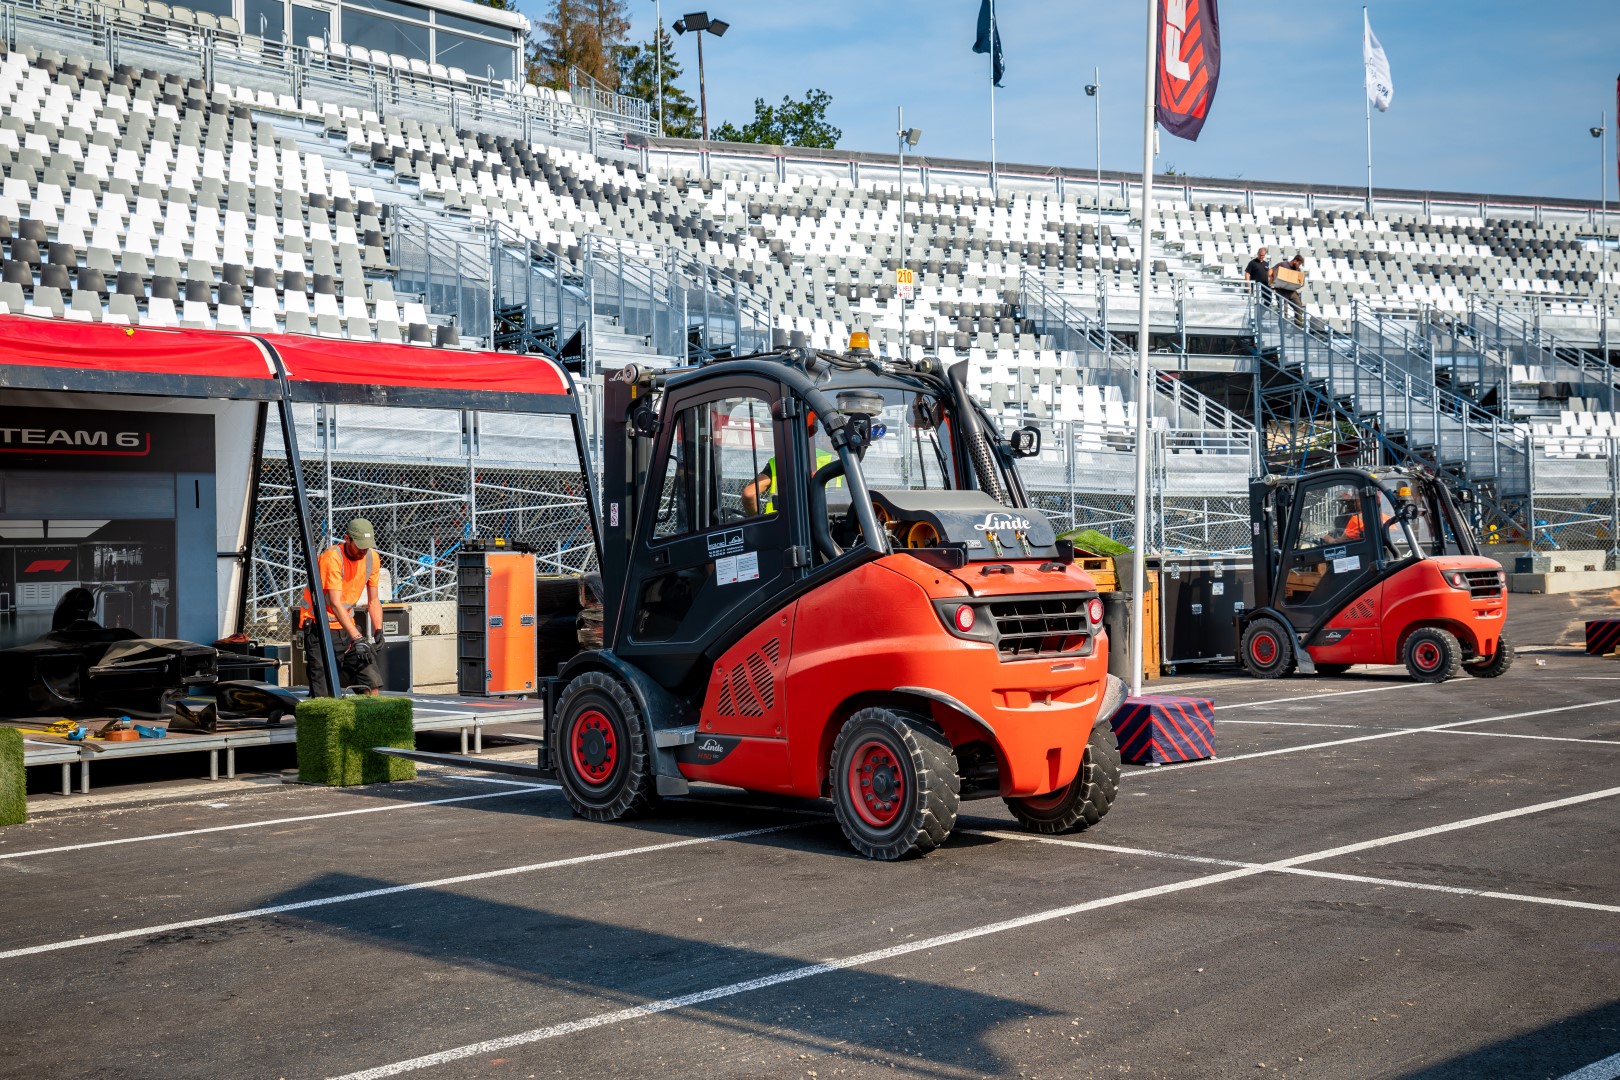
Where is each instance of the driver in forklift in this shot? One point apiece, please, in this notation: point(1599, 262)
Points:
point(759, 494)
point(1349, 526)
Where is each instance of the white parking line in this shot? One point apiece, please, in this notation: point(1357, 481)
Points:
point(274, 821)
point(1163, 769)
point(1365, 879)
point(716, 993)
point(1305, 698)
point(1288, 723)
point(390, 890)
point(1607, 1069)
point(1540, 738)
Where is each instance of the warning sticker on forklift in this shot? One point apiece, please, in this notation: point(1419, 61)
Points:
point(735, 568)
point(1347, 564)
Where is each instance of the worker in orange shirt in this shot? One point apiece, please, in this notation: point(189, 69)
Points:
point(348, 570)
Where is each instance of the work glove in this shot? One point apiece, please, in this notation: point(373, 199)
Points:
point(377, 640)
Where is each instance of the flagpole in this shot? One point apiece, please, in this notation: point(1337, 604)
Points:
point(1144, 400)
point(995, 34)
point(1367, 93)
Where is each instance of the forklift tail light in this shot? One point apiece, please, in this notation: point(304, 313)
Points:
point(1094, 611)
point(964, 618)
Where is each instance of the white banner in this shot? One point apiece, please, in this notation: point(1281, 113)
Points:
point(1380, 88)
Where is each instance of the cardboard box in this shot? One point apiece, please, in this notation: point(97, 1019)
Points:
point(1288, 280)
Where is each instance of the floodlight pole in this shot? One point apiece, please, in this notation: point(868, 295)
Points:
point(1603, 239)
point(900, 128)
point(703, 92)
point(1144, 398)
point(658, 58)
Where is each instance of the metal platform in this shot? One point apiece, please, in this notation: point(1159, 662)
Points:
point(430, 712)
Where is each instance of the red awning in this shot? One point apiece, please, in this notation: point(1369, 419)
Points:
point(54, 354)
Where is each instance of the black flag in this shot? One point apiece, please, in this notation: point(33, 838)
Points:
point(989, 41)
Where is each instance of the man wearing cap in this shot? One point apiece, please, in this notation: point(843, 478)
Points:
point(347, 570)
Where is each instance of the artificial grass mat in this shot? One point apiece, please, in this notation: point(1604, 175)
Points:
point(13, 778)
point(335, 737)
point(1093, 542)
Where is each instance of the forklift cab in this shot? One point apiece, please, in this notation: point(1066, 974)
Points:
point(1349, 564)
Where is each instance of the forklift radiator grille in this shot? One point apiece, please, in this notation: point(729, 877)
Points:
point(750, 689)
point(1483, 583)
point(1050, 626)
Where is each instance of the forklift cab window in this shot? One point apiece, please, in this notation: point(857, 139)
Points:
point(910, 447)
point(1330, 549)
point(1397, 541)
point(718, 450)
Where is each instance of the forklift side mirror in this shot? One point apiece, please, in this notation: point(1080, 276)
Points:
point(1026, 442)
point(1409, 512)
point(1465, 495)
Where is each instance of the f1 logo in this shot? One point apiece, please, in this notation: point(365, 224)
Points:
point(1175, 28)
point(47, 566)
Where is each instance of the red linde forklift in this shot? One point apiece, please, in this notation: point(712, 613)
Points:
point(822, 577)
point(1374, 566)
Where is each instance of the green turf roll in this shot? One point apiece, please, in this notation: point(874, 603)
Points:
point(325, 733)
point(13, 778)
point(383, 721)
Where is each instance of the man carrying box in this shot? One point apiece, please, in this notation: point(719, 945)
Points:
point(1288, 279)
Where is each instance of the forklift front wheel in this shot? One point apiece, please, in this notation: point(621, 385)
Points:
point(601, 755)
point(895, 787)
point(1433, 655)
point(1268, 650)
point(1087, 797)
point(1499, 662)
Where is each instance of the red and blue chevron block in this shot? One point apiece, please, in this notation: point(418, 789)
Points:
point(1157, 729)
point(1602, 636)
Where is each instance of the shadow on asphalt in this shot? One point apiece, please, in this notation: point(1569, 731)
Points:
point(923, 1027)
point(1557, 1049)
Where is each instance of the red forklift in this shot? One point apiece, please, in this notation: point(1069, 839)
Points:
point(1370, 566)
point(822, 577)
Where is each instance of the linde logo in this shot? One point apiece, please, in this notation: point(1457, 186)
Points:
point(998, 522)
point(711, 746)
point(21, 437)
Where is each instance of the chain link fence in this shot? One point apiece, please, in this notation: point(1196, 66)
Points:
point(1575, 501)
point(428, 480)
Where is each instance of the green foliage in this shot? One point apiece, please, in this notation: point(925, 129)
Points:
point(1093, 542)
point(335, 737)
point(13, 778)
point(638, 77)
point(793, 123)
point(583, 34)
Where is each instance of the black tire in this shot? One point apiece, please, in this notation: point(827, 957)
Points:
point(895, 787)
point(1088, 796)
point(599, 749)
point(1496, 664)
point(1432, 655)
point(1333, 669)
point(1268, 650)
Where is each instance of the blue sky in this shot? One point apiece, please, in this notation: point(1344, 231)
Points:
point(1490, 95)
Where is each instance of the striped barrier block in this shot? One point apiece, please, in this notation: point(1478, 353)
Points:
point(1602, 636)
point(1157, 729)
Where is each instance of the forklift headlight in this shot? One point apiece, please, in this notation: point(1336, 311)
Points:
point(965, 620)
point(1457, 579)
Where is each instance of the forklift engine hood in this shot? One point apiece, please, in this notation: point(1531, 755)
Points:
point(984, 527)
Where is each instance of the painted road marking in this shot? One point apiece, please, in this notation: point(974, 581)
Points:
point(700, 997)
point(1307, 698)
point(1365, 879)
point(273, 821)
point(1607, 1069)
point(1541, 738)
point(1288, 723)
point(391, 890)
point(1163, 769)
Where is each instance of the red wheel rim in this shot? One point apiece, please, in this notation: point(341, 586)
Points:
point(1040, 804)
point(594, 746)
point(1427, 655)
point(1264, 649)
point(877, 785)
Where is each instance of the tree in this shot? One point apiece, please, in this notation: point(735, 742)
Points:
point(793, 123)
point(638, 77)
point(583, 34)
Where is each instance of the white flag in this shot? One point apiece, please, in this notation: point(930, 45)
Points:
point(1380, 88)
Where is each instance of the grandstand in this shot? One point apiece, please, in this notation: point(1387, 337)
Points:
point(168, 166)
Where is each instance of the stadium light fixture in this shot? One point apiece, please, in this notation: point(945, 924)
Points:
point(699, 23)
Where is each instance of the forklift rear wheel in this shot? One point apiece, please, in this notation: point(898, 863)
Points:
point(601, 754)
point(1433, 655)
point(1087, 797)
point(1332, 669)
point(895, 787)
point(1268, 650)
point(1499, 662)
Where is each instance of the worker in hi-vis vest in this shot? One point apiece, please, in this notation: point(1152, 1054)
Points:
point(759, 494)
point(348, 571)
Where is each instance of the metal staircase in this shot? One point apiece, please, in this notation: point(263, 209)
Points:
point(1369, 397)
point(1499, 330)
